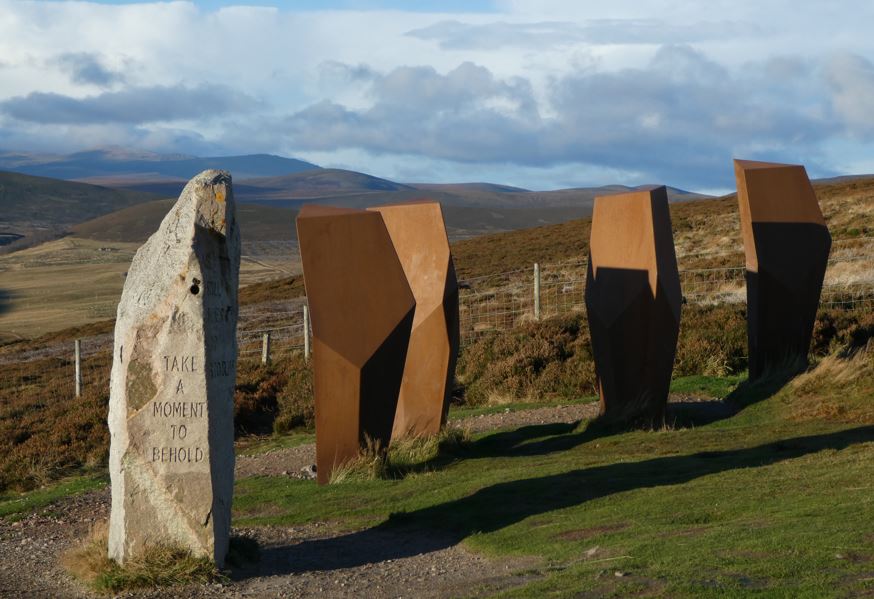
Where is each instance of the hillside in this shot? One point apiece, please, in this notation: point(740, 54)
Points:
point(137, 223)
point(40, 208)
point(706, 233)
point(260, 222)
point(31, 204)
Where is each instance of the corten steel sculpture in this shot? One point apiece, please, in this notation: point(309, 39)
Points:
point(633, 302)
point(362, 310)
point(787, 244)
point(419, 236)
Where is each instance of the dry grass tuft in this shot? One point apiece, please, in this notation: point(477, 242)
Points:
point(838, 389)
point(160, 565)
point(404, 457)
point(369, 464)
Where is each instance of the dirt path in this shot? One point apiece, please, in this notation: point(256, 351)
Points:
point(303, 561)
point(292, 461)
point(296, 462)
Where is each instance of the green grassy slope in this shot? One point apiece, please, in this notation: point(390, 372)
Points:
point(755, 504)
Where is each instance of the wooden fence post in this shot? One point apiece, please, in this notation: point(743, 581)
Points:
point(265, 348)
point(536, 291)
point(306, 333)
point(78, 351)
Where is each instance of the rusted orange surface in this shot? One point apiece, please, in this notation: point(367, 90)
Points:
point(418, 233)
point(362, 311)
point(787, 243)
point(633, 303)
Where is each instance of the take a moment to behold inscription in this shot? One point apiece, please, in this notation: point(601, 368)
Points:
point(419, 236)
point(633, 303)
point(362, 311)
point(787, 244)
point(172, 383)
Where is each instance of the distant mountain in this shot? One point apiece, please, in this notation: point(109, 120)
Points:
point(273, 223)
point(467, 187)
point(115, 210)
point(359, 190)
point(326, 182)
point(115, 167)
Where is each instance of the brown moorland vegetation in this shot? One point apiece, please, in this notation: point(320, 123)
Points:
point(46, 433)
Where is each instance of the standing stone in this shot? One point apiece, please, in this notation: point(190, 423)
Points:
point(171, 409)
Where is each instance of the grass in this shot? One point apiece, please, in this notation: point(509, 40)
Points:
point(46, 434)
point(714, 387)
point(250, 446)
point(407, 457)
point(14, 505)
point(157, 566)
point(767, 501)
point(457, 412)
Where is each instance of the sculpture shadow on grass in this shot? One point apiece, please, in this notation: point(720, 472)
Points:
point(498, 506)
point(5, 301)
point(542, 439)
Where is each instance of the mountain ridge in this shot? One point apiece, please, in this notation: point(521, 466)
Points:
point(114, 162)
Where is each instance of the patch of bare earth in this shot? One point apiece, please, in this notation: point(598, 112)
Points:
point(303, 561)
point(30, 549)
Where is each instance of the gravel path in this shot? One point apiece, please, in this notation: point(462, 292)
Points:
point(303, 561)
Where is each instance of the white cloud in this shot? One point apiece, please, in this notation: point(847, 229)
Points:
point(666, 90)
point(851, 79)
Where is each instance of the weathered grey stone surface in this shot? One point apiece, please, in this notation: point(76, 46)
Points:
point(171, 409)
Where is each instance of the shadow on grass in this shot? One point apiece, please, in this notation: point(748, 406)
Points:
point(543, 439)
point(5, 301)
point(498, 506)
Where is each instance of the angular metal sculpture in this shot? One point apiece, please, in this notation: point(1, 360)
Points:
point(362, 311)
point(419, 236)
point(787, 244)
point(633, 302)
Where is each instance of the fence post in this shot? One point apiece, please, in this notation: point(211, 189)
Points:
point(78, 351)
point(265, 348)
point(306, 333)
point(536, 291)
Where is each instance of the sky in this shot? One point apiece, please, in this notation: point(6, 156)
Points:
point(542, 94)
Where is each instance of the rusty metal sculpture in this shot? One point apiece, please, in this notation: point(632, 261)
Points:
point(362, 311)
point(633, 302)
point(787, 244)
point(419, 236)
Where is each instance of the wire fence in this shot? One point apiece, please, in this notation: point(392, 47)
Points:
point(500, 301)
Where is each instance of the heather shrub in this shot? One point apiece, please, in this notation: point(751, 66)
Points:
point(294, 402)
point(713, 340)
point(537, 361)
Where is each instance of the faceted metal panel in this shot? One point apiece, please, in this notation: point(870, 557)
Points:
point(418, 233)
point(362, 312)
point(787, 245)
point(633, 302)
